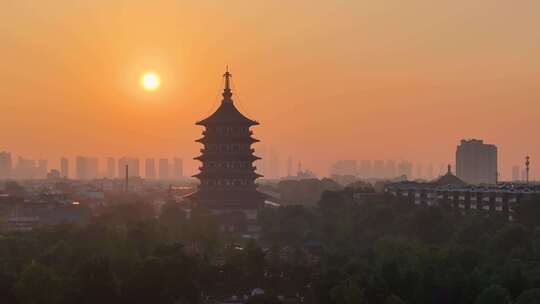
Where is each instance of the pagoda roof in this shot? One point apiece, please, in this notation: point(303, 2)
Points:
point(227, 113)
point(449, 179)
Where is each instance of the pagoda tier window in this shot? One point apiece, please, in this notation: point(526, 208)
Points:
point(209, 182)
point(230, 131)
point(228, 164)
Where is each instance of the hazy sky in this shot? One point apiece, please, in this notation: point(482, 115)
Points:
point(357, 79)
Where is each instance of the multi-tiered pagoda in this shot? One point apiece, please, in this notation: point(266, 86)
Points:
point(227, 174)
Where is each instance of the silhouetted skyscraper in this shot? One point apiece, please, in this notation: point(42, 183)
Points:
point(378, 169)
point(42, 168)
point(405, 168)
point(178, 168)
point(81, 167)
point(429, 173)
point(366, 169)
point(344, 167)
point(515, 173)
point(64, 167)
point(86, 167)
point(150, 168)
point(419, 170)
point(289, 166)
point(110, 168)
point(476, 162)
point(273, 164)
point(93, 167)
point(390, 169)
point(132, 163)
point(25, 168)
point(6, 165)
point(163, 168)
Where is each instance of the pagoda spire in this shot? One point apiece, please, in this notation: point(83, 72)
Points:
point(227, 94)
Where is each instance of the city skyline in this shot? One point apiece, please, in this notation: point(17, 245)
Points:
point(270, 167)
point(396, 89)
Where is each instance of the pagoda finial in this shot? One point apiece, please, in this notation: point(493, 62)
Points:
point(227, 94)
point(449, 169)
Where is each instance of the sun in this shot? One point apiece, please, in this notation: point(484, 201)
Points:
point(150, 81)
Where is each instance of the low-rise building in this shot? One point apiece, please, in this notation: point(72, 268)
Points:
point(451, 191)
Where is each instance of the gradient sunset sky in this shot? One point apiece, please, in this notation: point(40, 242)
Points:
point(357, 79)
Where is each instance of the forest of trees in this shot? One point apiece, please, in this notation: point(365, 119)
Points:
point(379, 251)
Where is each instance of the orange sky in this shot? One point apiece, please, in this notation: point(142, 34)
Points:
point(358, 79)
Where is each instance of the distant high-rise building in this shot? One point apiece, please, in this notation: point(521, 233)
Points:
point(25, 168)
point(86, 167)
point(178, 168)
point(441, 169)
point(419, 170)
point(273, 164)
point(6, 165)
point(136, 167)
point(429, 173)
point(366, 169)
point(111, 165)
point(122, 163)
point(523, 174)
point(378, 169)
point(42, 168)
point(150, 168)
point(163, 169)
point(476, 162)
point(405, 168)
point(344, 167)
point(515, 173)
point(390, 169)
point(64, 167)
point(289, 166)
point(133, 165)
point(80, 167)
point(93, 167)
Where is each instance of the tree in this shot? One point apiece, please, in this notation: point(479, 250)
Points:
point(265, 298)
point(431, 225)
point(494, 294)
point(38, 284)
point(146, 283)
point(528, 211)
point(531, 296)
point(172, 218)
point(348, 293)
point(96, 281)
point(393, 299)
point(511, 238)
point(14, 189)
point(254, 260)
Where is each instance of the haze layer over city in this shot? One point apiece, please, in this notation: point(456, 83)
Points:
point(328, 80)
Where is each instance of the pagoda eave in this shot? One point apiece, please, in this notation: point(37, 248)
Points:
point(250, 175)
point(249, 140)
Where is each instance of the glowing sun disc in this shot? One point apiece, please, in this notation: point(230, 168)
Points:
point(150, 81)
